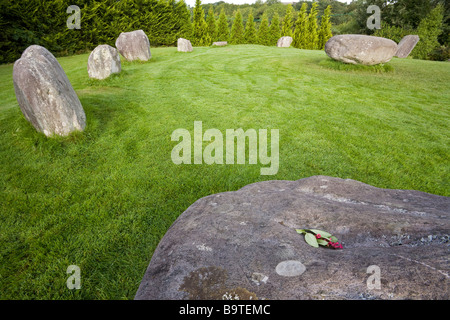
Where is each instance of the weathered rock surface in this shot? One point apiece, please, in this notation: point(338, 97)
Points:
point(103, 61)
point(184, 45)
point(220, 43)
point(244, 244)
point(406, 45)
point(284, 42)
point(360, 49)
point(45, 95)
point(134, 45)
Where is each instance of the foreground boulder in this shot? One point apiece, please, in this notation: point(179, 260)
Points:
point(284, 42)
point(103, 61)
point(45, 95)
point(406, 45)
point(244, 244)
point(134, 45)
point(184, 45)
point(360, 49)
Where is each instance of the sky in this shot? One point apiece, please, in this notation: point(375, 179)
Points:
point(192, 2)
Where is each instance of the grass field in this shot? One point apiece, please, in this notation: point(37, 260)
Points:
point(102, 199)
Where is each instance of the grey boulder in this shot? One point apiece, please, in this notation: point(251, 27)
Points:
point(244, 244)
point(284, 42)
point(406, 45)
point(184, 45)
point(103, 61)
point(360, 49)
point(134, 45)
point(45, 94)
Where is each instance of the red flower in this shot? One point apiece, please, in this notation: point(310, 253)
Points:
point(318, 236)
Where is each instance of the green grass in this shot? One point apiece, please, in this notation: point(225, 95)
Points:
point(103, 199)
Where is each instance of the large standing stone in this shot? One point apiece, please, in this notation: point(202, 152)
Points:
point(244, 244)
point(45, 95)
point(284, 42)
point(360, 49)
point(184, 45)
point(406, 45)
point(134, 45)
point(103, 61)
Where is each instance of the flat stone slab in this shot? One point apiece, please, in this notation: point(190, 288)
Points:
point(220, 43)
point(406, 45)
point(244, 244)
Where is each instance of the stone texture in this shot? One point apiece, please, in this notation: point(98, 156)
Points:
point(45, 95)
point(360, 49)
point(184, 45)
point(220, 43)
point(244, 244)
point(103, 61)
point(134, 45)
point(406, 45)
point(284, 42)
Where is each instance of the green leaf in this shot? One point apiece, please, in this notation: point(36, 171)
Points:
point(322, 242)
point(333, 239)
point(322, 233)
point(311, 240)
point(300, 231)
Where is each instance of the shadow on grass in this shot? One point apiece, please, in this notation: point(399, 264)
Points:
point(340, 66)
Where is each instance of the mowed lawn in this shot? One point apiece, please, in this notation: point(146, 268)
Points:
point(103, 199)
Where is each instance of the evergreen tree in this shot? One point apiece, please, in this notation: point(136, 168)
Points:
point(200, 35)
point(274, 29)
point(325, 28)
point(237, 29)
point(250, 29)
point(429, 29)
point(211, 22)
point(263, 31)
point(301, 28)
point(223, 32)
point(312, 38)
point(286, 29)
point(184, 16)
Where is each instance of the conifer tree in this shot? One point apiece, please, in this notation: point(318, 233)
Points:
point(211, 22)
point(184, 15)
point(223, 32)
point(263, 31)
point(325, 28)
point(274, 29)
point(200, 35)
point(428, 30)
point(286, 29)
point(250, 29)
point(312, 38)
point(237, 29)
point(301, 28)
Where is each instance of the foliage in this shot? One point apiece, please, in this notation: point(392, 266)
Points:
point(263, 31)
point(429, 29)
point(250, 30)
point(301, 28)
point(325, 28)
point(223, 32)
point(237, 29)
point(274, 30)
point(200, 36)
point(316, 238)
point(212, 26)
point(312, 39)
point(286, 29)
point(392, 32)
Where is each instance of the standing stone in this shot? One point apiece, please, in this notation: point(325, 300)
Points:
point(184, 45)
point(220, 43)
point(406, 45)
point(360, 49)
point(45, 95)
point(134, 45)
point(103, 61)
point(245, 244)
point(284, 42)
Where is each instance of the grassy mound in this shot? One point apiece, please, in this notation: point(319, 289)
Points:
point(102, 199)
